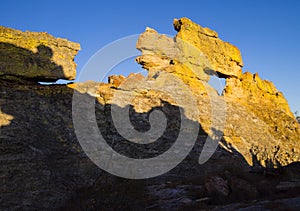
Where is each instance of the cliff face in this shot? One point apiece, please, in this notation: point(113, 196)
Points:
point(259, 123)
point(43, 165)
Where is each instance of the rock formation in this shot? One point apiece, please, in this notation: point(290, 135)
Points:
point(225, 58)
point(250, 101)
point(36, 56)
point(43, 165)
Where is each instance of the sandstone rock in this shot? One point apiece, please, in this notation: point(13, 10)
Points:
point(217, 186)
point(116, 80)
point(5, 119)
point(288, 185)
point(250, 90)
point(160, 52)
point(251, 102)
point(276, 143)
point(242, 189)
point(225, 58)
point(36, 56)
point(43, 164)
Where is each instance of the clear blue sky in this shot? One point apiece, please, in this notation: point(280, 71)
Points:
point(266, 31)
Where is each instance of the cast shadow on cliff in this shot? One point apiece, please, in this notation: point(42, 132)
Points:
point(20, 64)
point(187, 180)
point(45, 167)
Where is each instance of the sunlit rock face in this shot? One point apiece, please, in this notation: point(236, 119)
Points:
point(224, 57)
point(259, 123)
point(43, 164)
point(278, 144)
point(36, 56)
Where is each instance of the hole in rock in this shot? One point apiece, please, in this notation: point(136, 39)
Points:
point(59, 81)
point(217, 83)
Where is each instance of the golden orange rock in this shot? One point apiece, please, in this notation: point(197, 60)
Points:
point(37, 56)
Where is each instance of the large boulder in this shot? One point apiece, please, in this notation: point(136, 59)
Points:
point(224, 57)
point(36, 56)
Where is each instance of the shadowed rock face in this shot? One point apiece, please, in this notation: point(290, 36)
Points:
point(36, 56)
point(44, 167)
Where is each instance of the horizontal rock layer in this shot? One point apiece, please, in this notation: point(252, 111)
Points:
point(36, 56)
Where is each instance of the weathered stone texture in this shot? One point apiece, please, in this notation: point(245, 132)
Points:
point(225, 58)
point(44, 167)
point(259, 123)
point(36, 56)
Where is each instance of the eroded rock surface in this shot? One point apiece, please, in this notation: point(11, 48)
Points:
point(225, 58)
point(44, 167)
point(36, 56)
point(259, 123)
point(275, 141)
